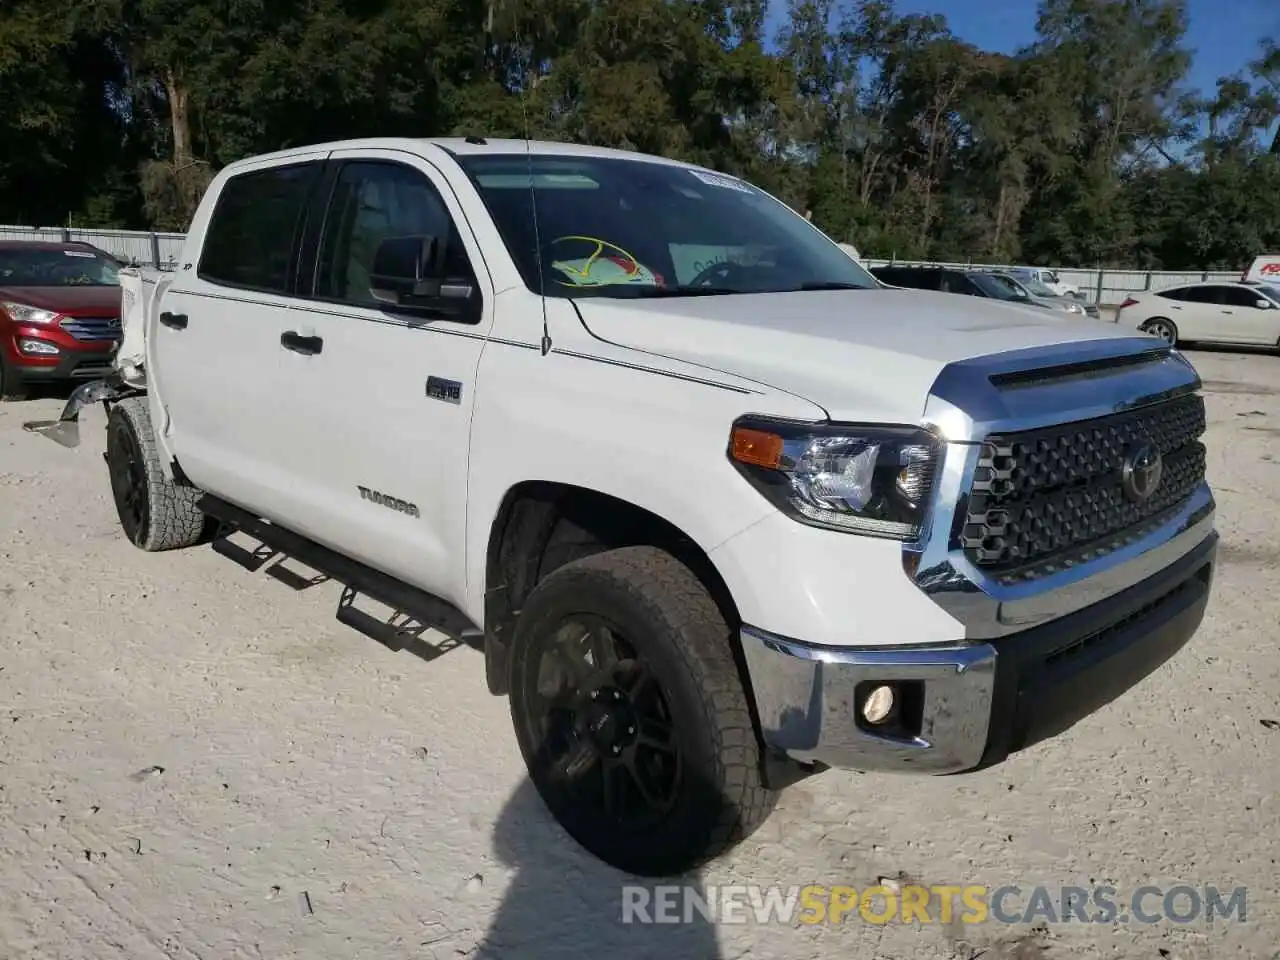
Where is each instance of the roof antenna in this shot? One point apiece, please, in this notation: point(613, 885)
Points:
point(526, 81)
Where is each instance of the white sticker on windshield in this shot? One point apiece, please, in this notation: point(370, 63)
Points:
point(78, 253)
point(716, 180)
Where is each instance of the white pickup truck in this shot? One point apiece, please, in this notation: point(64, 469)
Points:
point(721, 510)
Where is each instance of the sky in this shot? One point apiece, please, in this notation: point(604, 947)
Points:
point(1223, 35)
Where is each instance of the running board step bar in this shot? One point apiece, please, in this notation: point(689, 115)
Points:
point(426, 609)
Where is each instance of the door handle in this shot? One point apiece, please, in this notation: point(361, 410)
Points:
point(178, 321)
point(307, 346)
point(1228, 311)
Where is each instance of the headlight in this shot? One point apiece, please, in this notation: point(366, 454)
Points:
point(874, 481)
point(37, 347)
point(25, 313)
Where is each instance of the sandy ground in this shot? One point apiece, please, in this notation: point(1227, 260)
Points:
point(198, 761)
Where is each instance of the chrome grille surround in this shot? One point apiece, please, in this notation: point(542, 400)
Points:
point(1043, 388)
point(1055, 496)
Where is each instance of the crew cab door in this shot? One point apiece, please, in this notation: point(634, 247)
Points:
point(380, 398)
point(214, 348)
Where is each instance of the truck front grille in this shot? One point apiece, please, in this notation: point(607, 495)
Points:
point(1046, 499)
point(92, 328)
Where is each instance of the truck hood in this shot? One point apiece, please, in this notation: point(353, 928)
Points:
point(863, 354)
point(86, 301)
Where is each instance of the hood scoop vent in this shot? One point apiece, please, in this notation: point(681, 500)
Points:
point(1078, 370)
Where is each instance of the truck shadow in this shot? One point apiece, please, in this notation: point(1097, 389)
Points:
point(564, 903)
point(561, 901)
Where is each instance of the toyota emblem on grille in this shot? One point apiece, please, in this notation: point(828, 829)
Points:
point(1141, 474)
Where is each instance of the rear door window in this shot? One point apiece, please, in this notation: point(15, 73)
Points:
point(1194, 295)
point(252, 237)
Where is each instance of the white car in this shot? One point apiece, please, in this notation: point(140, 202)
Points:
point(719, 509)
point(1221, 312)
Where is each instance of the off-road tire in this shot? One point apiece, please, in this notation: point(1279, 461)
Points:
point(11, 385)
point(165, 515)
point(673, 625)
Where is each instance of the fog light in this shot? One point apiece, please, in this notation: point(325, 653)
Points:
point(878, 705)
point(37, 347)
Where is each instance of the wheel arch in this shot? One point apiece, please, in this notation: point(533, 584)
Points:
point(1161, 319)
point(542, 525)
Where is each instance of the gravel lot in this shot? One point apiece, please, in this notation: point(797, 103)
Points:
point(197, 760)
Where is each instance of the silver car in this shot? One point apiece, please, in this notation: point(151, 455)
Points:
point(1045, 297)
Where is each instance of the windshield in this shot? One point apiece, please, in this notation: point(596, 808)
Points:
point(1001, 288)
point(55, 267)
point(1272, 291)
point(1048, 276)
point(1035, 287)
point(617, 227)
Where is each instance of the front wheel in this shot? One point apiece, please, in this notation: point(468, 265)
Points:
point(631, 715)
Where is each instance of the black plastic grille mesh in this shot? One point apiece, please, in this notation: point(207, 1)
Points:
point(1050, 498)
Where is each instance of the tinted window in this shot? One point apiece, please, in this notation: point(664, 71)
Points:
point(1208, 294)
point(618, 227)
point(55, 267)
point(252, 233)
point(371, 202)
point(1177, 293)
point(1240, 297)
point(958, 283)
point(1192, 294)
point(999, 288)
point(914, 278)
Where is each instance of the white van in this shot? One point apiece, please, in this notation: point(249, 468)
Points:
point(1264, 269)
point(1047, 278)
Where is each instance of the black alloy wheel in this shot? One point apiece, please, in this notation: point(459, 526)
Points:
point(128, 470)
point(605, 729)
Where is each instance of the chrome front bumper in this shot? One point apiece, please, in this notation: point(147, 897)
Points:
point(807, 700)
point(970, 705)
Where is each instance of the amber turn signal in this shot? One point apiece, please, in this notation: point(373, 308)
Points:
point(757, 447)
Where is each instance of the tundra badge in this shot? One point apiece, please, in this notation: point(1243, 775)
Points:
point(391, 503)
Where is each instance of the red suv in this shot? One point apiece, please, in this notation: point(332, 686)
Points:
point(59, 313)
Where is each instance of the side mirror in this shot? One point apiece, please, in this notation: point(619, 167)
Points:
point(1263, 304)
point(408, 272)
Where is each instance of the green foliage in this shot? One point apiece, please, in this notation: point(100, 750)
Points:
point(1085, 148)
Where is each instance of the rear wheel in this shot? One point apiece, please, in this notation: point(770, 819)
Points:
point(630, 713)
point(1162, 328)
point(155, 513)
